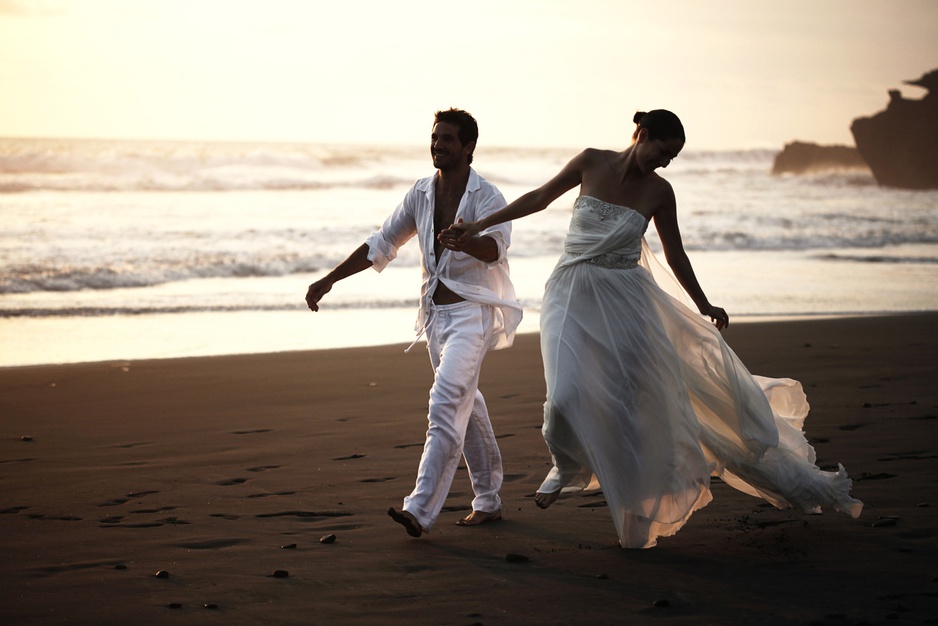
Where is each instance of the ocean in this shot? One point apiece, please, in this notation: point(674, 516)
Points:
point(120, 250)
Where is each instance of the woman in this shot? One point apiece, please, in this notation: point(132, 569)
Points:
point(642, 393)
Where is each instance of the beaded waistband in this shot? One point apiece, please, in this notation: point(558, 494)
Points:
point(611, 261)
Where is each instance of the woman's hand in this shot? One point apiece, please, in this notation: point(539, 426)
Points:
point(457, 235)
point(462, 237)
point(718, 315)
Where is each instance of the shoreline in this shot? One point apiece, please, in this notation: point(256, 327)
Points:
point(222, 470)
point(380, 308)
point(121, 338)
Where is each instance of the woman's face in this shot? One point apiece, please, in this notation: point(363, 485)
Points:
point(655, 153)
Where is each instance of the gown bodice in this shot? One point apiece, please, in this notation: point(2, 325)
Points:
point(604, 234)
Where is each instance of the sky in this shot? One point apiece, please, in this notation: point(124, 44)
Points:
point(549, 73)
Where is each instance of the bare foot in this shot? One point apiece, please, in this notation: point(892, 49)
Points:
point(544, 500)
point(479, 517)
point(408, 521)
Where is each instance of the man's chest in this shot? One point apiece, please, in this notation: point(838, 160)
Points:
point(444, 214)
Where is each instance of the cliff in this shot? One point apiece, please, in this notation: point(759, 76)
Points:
point(802, 158)
point(900, 144)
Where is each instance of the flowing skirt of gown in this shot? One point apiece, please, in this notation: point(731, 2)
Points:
point(646, 397)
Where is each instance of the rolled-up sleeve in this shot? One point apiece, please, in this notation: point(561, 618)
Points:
point(397, 230)
point(501, 238)
point(500, 233)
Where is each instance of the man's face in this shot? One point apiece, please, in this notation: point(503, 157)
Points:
point(445, 148)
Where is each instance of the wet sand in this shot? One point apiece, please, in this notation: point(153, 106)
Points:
point(222, 471)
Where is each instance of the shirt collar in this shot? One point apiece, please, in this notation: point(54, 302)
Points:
point(473, 184)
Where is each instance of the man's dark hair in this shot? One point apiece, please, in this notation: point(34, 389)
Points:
point(468, 127)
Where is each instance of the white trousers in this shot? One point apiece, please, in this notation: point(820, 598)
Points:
point(458, 337)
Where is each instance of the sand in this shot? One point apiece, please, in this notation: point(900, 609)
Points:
point(221, 471)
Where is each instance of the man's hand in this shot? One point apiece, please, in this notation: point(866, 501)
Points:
point(462, 237)
point(458, 234)
point(316, 291)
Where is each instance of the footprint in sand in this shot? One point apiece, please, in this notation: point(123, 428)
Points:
point(228, 516)
point(378, 480)
point(130, 496)
point(162, 509)
point(918, 455)
point(349, 457)
point(251, 432)
point(278, 493)
point(210, 544)
point(115, 502)
point(263, 468)
point(75, 567)
point(119, 521)
point(880, 476)
point(851, 427)
point(135, 525)
point(232, 481)
point(305, 514)
point(593, 505)
point(337, 527)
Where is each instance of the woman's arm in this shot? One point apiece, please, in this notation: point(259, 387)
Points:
point(537, 200)
point(670, 235)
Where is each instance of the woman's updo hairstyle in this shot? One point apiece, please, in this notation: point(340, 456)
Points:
point(661, 124)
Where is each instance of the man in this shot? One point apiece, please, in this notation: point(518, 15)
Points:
point(467, 306)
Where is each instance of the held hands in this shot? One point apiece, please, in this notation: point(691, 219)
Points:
point(459, 236)
point(718, 315)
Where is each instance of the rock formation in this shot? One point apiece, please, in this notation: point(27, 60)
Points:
point(802, 158)
point(900, 144)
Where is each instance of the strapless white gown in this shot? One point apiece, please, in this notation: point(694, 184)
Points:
point(645, 396)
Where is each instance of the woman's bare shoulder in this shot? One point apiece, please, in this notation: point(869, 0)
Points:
point(597, 154)
point(662, 192)
point(591, 158)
